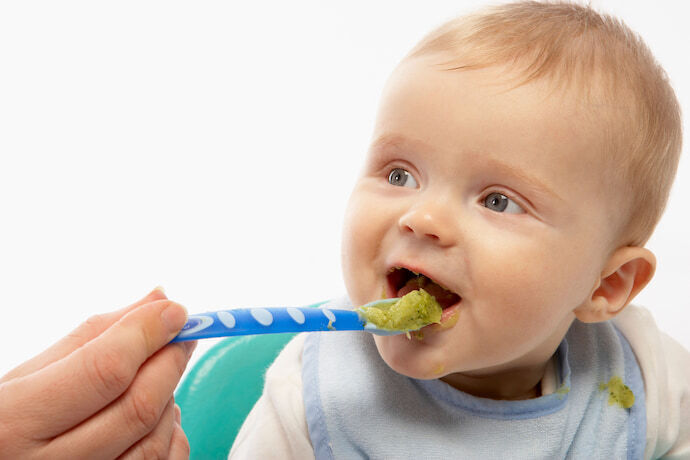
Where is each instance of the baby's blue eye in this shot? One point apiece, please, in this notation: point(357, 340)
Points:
point(401, 178)
point(501, 203)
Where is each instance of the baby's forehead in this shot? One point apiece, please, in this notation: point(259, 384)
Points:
point(540, 112)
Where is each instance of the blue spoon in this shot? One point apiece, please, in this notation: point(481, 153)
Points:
point(249, 321)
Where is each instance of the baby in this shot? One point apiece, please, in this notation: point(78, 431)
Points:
point(520, 160)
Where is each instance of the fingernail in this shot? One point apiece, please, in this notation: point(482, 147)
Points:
point(174, 317)
point(158, 288)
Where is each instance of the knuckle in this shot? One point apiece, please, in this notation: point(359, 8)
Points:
point(95, 324)
point(90, 327)
point(110, 374)
point(94, 321)
point(144, 412)
point(154, 448)
point(180, 441)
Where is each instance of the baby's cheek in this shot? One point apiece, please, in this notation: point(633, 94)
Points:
point(355, 230)
point(356, 242)
point(524, 271)
point(563, 283)
point(360, 240)
point(517, 298)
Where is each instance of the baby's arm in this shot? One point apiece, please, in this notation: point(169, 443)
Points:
point(277, 427)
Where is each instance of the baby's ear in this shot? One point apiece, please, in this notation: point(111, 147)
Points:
point(628, 270)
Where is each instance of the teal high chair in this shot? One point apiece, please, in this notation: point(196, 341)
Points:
point(220, 390)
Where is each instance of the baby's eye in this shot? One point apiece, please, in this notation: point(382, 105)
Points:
point(501, 203)
point(401, 178)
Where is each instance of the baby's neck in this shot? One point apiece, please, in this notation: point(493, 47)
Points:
point(511, 385)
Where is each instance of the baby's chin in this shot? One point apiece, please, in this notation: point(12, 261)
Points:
point(411, 358)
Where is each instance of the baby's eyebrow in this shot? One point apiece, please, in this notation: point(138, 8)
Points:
point(532, 182)
point(393, 139)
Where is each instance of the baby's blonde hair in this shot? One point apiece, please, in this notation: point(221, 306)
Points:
point(608, 64)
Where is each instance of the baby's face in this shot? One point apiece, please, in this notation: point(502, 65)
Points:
point(494, 193)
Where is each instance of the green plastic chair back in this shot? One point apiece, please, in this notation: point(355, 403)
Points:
point(220, 390)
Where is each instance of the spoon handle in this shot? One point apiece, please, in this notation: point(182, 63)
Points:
point(248, 321)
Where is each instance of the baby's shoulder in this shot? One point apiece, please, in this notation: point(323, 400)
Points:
point(660, 357)
point(652, 346)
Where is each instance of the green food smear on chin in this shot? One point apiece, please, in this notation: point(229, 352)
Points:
point(413, 311)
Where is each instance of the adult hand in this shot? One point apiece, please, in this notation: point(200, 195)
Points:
point(103, 391)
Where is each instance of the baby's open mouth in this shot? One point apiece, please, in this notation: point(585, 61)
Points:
point(401, 281)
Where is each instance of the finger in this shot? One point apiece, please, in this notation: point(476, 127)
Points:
point(178, 414)
point(156, 444)
point(134, 414)
point(179, 445)
point(87, 331)
point(70, 390)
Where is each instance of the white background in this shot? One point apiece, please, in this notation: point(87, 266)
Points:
point(210, 147)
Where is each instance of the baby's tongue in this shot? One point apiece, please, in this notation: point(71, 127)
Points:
point(412, 285)
point(443, 297)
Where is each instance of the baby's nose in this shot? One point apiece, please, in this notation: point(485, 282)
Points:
point(428, 220)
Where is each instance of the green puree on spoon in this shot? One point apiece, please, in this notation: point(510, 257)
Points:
point(413, 311)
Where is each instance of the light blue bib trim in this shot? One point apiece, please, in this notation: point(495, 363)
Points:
point(400, 417)
point(316, 420)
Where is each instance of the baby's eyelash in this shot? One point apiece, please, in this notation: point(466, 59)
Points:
point(502, 192)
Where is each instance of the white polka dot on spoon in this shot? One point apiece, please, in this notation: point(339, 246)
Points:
point(296, 315)
point(227, 319)
point(264, 317)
